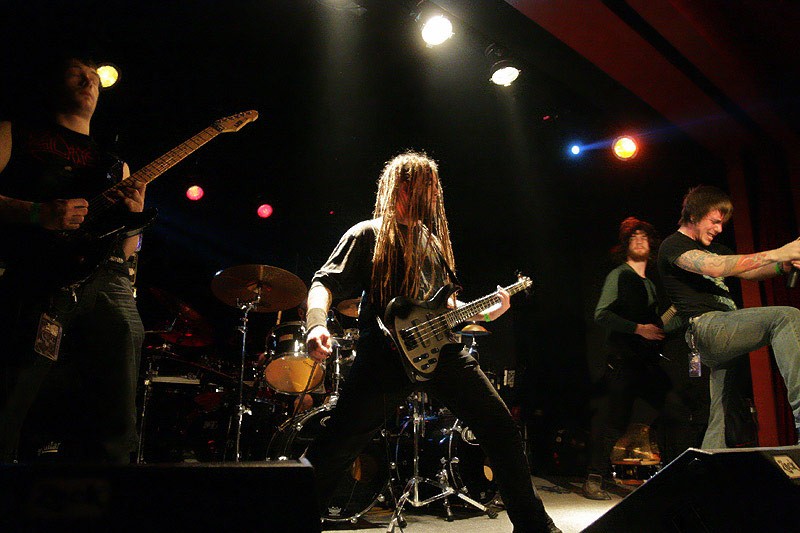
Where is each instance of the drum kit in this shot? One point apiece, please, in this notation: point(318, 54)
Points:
point(271, 405)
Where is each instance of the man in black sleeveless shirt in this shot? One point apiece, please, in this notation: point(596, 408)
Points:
point(47, 170)
point(693, 268)
point(405, 251)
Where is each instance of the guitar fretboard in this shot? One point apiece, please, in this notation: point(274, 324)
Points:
point(153, 170)
point(460, 314)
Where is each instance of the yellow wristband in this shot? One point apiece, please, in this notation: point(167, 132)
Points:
point(779, 268)
point(486, 317)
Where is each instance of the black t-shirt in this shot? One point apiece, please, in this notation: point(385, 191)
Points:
point(348, 272)
point(49, 161)
point(692, 294)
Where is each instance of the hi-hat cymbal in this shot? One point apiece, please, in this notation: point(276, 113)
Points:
point(265, 288)
point(349, 307)
point(474, 330)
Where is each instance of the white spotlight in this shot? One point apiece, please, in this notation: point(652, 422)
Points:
point(504, 73)
point(437, 30)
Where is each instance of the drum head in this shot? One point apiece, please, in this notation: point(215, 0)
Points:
point(362, 484)
point(446, 443)
point(294, 373)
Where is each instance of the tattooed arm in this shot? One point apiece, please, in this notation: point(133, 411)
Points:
point(755, 266)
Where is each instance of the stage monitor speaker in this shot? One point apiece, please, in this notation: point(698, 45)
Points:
point(186, 497)
point(714, 491)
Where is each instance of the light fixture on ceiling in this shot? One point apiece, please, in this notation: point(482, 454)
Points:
point(504, 70)
point(625, 148)
point(109, 75)
point(436, 28)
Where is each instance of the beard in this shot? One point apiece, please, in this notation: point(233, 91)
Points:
point(636, 255)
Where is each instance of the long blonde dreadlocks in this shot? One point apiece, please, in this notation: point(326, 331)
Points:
point(427, 225)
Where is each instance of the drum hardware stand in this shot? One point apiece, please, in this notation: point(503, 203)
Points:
point(442, 481)
point(241, 409)
point(148, 390)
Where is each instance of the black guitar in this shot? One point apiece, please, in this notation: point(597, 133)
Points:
point(420, 329)
point(51, 260)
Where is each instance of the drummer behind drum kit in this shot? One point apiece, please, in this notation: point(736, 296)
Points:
point(274, 392)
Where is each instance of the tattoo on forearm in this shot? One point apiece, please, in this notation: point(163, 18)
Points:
point(714, 265)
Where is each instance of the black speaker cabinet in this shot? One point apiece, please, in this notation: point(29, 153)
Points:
point(243, 497)
point(714, 491)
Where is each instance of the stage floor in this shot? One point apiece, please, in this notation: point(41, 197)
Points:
point(562, 499)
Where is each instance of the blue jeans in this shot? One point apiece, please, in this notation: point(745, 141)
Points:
point(102, 341)
point(724, 336)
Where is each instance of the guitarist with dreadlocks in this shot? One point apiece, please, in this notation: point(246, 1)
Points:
point(405, 251)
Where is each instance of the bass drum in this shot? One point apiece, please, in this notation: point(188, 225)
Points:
point(363, 484)
point(450, 445)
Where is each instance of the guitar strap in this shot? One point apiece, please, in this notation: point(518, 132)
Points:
point(447, 269)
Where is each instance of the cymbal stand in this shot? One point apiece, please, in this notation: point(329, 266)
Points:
point(148, 391)
point(336, 376)
point(241, 409)
point(442, 482)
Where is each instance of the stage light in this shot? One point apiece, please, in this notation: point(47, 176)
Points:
point(109, 75)
point(504, 73)
point(504, 69)
point(575, 149)
point(625, 148)
point(436, 30)
point(194, 193)
point(265, 210)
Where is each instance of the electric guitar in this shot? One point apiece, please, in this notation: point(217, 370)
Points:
point(651, 348)
point(420, 329)
point(51, 260)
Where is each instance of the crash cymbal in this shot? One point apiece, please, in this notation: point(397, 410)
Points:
point(183, 325)
point(474, 330)
point(349, 307)
point(266, 288)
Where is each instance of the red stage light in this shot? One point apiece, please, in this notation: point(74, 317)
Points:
point(194, 193)
point(264, 210)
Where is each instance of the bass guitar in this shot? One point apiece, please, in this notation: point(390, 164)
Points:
point(420, 329)
point(49, 260)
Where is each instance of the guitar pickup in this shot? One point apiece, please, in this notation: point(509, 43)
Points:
point(419, 358)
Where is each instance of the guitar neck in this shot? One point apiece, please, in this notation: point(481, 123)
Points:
point(669, 314)
point(153, 170)
point(460, 314)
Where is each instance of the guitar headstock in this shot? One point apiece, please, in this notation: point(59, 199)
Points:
point(235, 122)
point(525, 282)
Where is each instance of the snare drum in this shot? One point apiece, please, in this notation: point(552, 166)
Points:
point(290, 370)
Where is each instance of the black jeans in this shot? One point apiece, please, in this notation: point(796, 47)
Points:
point(102, 340)
point(629, 376)
point(377, 385)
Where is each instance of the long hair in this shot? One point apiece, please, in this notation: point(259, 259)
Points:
point(428, 229)
point(703, 199)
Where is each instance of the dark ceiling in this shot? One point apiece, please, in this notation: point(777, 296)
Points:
point(340, 91)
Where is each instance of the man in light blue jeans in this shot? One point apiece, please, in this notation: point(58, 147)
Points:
point(693, 269)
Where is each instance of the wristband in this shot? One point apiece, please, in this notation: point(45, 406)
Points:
point(33, 214)
point(487, 317)
point(316, 316)
point(779, 269)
